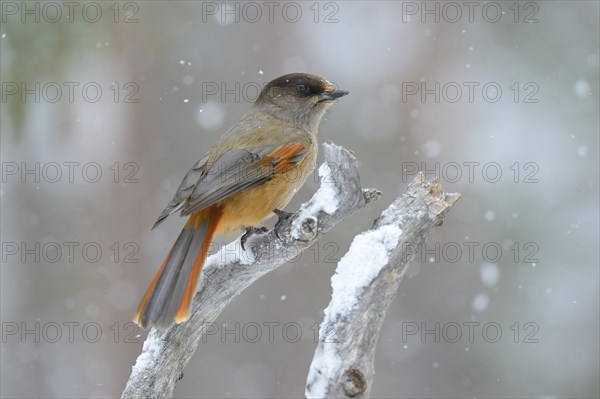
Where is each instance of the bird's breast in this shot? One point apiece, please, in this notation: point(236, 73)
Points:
point(252, 206)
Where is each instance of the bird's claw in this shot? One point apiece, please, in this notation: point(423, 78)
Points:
point(250, 231)
point(282, 216)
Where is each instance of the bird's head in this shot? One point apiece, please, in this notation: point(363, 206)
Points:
point(300, 98)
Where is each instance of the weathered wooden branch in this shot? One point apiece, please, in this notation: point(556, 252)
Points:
point(231, 270)
point(365, 282)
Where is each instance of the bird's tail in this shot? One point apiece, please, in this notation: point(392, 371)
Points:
point(168, 299)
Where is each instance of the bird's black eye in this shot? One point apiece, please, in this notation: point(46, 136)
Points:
point(302, 88)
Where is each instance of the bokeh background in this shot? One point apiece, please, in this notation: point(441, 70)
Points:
point(65, 330)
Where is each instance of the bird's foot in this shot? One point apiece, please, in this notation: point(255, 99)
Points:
point(250, 231)
point(282, 216)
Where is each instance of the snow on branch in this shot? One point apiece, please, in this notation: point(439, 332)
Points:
point(365, 283)
point(228, 272)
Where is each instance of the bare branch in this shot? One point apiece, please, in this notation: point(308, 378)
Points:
point(231, 270)
point(364, 285)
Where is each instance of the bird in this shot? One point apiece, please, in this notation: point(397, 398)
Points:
point(251, 172)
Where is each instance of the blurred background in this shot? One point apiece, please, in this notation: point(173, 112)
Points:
point(105, 106)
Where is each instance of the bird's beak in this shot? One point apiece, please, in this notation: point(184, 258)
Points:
point(332, 95)
point(330, 92)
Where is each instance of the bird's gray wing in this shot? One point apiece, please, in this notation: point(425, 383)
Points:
point(184, 190)
point(234, 171)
